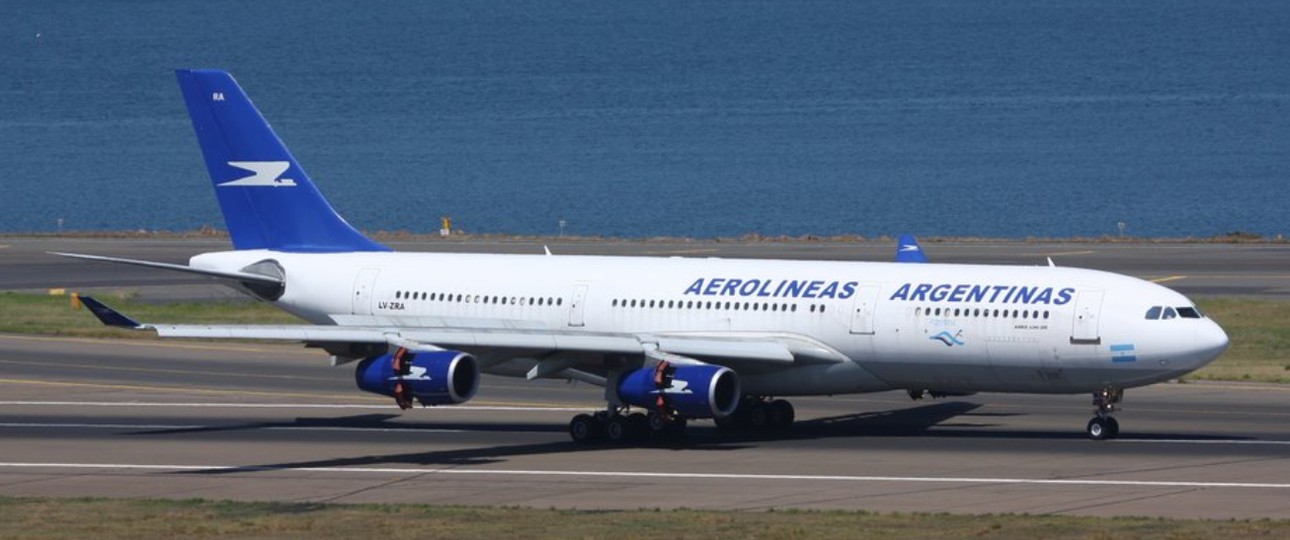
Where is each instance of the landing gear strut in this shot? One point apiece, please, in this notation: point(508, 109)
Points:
point(1104, 426)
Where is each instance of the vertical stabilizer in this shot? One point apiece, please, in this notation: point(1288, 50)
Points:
point(908, 250)
point(267, 199)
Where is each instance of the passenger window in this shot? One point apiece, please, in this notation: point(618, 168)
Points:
point(1169, 313)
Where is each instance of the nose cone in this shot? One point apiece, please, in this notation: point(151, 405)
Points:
point(1210, 342)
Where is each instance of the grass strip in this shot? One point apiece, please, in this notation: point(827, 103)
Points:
point(22, 313)
point(104, 519)
point(1259, 329)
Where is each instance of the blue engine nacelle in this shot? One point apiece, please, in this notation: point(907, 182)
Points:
point(703, 391)
point(429, 377)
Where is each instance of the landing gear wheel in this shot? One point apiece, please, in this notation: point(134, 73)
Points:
point(1114, 426)
point(661, 426)
point(618, 429)
point(584, 429)
point(637, 426)
point(780, 414)
point(1101, 428)
point(758, 416)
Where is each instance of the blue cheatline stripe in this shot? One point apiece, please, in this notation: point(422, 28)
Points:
point(1121, 348)
point(1122, 359)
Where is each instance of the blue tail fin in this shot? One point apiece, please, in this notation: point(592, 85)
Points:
point(908, 250)
point(267, 199)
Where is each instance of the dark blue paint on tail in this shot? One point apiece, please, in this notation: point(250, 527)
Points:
point(908, 250)
point(267, 199)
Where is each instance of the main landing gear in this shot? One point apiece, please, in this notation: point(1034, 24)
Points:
point(759, 414)
point(617, 425)
point(1104, 426)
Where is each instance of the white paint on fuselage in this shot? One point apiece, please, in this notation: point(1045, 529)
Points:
point(985, 346)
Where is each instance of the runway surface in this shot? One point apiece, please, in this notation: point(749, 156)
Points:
point(270, 422)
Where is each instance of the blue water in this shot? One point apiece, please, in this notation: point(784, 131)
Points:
point(966, 118)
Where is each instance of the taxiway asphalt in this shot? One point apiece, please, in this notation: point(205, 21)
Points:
point(270, 422)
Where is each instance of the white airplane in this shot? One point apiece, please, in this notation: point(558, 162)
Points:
point(669, 339)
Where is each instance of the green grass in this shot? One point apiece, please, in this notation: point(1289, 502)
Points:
point(53, 315)
point(104, 519)
point(1259, 329)
point(1260, 340)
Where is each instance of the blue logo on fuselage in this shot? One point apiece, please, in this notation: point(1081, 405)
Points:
point(949, 339)
point(772, 288)
point(984, 294)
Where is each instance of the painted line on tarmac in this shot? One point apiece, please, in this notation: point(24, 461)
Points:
point(109, 467)
point(1069, 253)
point(1167, 279)
point(1203, 441)
point(503, 407)
point(410, 429)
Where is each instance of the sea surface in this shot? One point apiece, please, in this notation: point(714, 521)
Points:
point(639, 118)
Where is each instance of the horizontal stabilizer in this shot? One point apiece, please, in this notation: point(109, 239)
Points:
point(236, 276)
point(908, 250)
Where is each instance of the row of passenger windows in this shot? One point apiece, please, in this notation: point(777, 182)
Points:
point(711, 305)
point(1166, 312)
point(479, 299)
point(982, 313)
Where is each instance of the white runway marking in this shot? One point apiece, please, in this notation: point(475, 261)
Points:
point(654, 475)
point(216, 426)
point(282, 406)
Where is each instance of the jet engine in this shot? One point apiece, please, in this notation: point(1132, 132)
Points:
point(695, 391)
point(429, 377)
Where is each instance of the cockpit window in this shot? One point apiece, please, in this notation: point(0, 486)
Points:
point(1153, 313)
point(1169, 313)
point(1188, 313)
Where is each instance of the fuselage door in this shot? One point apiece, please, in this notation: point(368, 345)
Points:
point(363, 286)
point(862, 312)
point(576, 305)
point(1088, 310)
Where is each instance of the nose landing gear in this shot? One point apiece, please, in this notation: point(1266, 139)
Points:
point(1104, 426)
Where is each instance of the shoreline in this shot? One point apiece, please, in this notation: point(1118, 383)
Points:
point(1235, 238)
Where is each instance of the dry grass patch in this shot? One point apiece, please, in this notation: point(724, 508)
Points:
point(105, 519)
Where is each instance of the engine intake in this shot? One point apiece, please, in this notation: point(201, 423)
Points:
point(429, 377)
point(703, 391)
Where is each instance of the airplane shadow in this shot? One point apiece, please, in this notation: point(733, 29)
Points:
point(949, 420)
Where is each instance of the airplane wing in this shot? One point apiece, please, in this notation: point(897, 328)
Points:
point(740, 351)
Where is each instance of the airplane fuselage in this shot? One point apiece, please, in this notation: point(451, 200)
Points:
point(863, 326)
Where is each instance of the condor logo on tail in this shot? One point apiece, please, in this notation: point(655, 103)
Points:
point(266, 173)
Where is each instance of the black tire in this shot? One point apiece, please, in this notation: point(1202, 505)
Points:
point(618, 430)
point(758, 416)
point(1114, 426)
point(637, 426)
point(781, 415)
point(1100, 429)
point(657, 423)
point(584, 429)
